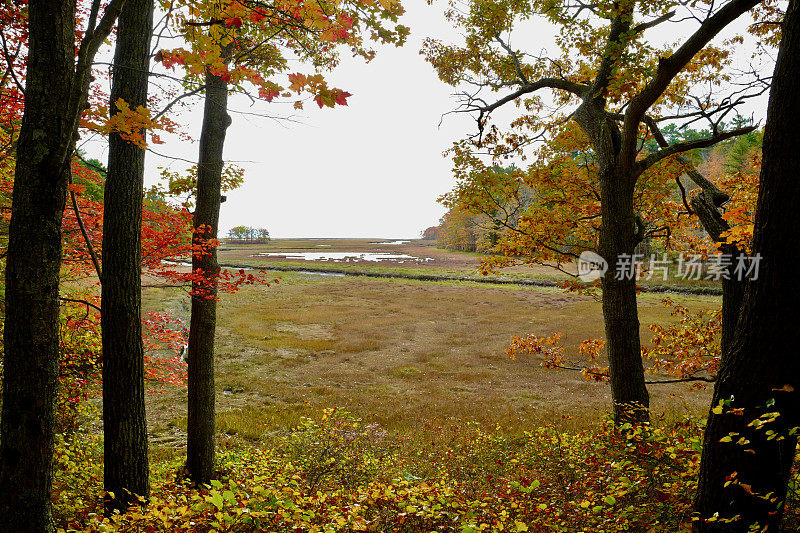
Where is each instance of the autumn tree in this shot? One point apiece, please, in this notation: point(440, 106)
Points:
point(709, 205)
point(56, 88)
point(200, 443)
point(614, 84)
point(237, 46)
point(431, 233)
point(126, 466)
point(750, 439)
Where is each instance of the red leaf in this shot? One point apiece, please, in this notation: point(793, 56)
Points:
point(341, 97)
point(235, 22)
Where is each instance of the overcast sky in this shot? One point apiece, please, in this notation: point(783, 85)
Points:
point(371, 169)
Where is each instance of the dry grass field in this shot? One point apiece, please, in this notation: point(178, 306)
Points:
point(422, 358)
point(430, 262)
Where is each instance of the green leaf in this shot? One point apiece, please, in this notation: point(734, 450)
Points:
point(215, 498)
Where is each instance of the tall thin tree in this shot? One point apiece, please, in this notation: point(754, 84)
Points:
point(55, 96)
point(126, 468)
point(200, 440)
point(246, 40)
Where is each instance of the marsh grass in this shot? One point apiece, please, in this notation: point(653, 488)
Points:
point(445, 263)
point(422, 359)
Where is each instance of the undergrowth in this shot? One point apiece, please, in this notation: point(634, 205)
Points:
point(336, 473)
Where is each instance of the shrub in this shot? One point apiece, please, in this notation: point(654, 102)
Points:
point(336, 474)
point(337, 449)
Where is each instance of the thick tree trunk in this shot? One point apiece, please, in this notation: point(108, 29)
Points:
point(200, 445)
point(30, 366)
point(126, 467)
point(619, 235)
point(762, 358)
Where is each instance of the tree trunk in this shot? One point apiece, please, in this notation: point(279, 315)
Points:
point(126, 468)
point(200, 444)
point(707, 205)
point(732, 297)
point(762, 358)
point(619, 235)
point(30, 373)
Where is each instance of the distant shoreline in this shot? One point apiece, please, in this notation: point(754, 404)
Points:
point(311, 268)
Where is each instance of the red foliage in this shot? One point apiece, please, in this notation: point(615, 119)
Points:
point(431, 233)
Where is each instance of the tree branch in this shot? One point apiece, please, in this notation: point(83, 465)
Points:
point(578, 89)
point(619, 27)
point(89, 246)
point(718, 197)
point(73, 300)
point(177, 99)
point(92, 39)
point(671, 66)
point(644, 26)
point(514, 58)
point(686, 146)
point(681, 380)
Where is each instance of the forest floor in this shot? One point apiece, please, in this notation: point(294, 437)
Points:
point(424, 359)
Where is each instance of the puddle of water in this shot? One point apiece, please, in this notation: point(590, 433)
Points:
point(176, 263)
point(189, 264)
point(315, 273)
point(346, 257)
point(311, 272)
point(393, 243)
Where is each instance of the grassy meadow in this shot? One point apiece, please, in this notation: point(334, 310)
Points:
point(420, 358)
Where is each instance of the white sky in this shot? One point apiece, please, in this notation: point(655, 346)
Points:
point(371, 169)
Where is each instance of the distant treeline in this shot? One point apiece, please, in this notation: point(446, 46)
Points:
point(488, 222)
point(246, 234)
point(431, 234)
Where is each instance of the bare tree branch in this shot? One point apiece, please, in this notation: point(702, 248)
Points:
point(670, 67)
point(644, 26)
point(686, 146)
point(514, 58)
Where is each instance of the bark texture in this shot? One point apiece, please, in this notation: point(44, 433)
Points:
point(200, 443)
point(30, 374)
point(619, 235)
point(762, 357)
point(55, 95)
point(126, 467)
point(620, 232)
